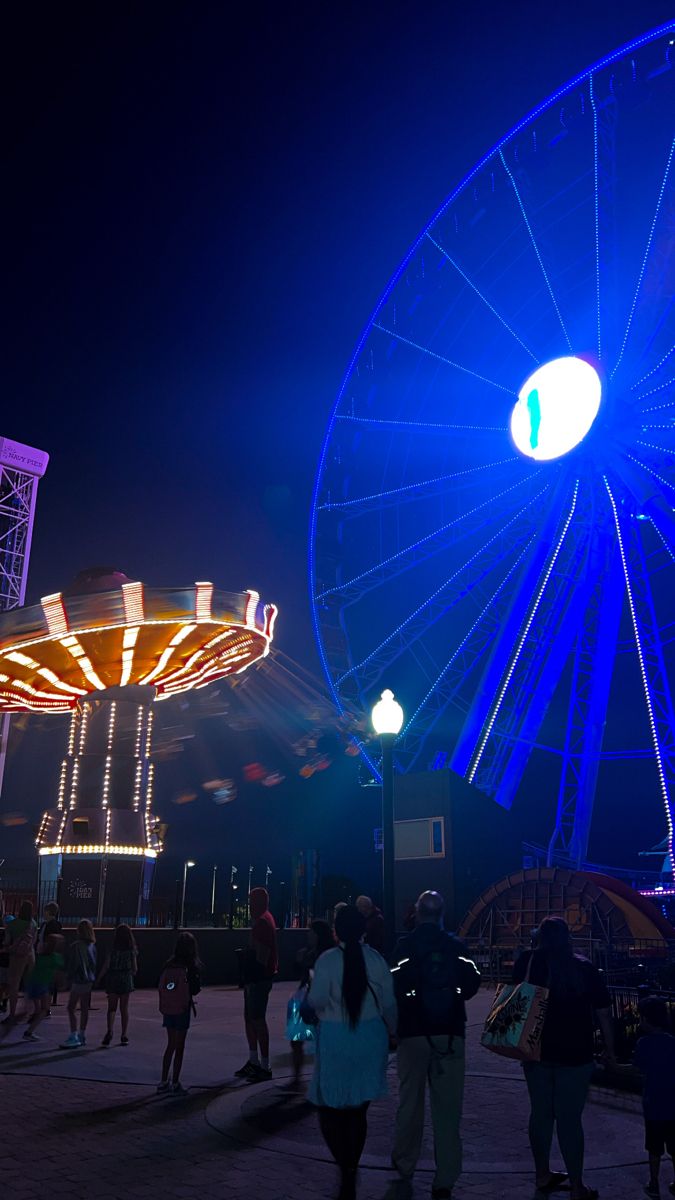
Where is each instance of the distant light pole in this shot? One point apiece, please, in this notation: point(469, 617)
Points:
point(187, 865)
point(387, 718)
point(213, 894)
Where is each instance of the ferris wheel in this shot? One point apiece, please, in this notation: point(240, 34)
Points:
point(492, 529)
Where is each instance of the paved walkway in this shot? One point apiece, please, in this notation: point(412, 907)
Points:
point(88, 1123)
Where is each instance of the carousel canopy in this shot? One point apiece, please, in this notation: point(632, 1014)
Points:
point(76, 643)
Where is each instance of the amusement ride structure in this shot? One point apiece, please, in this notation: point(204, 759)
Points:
point(107, 650)
point(493, 532)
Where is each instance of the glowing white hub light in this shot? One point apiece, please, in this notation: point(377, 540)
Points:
point(556, 407)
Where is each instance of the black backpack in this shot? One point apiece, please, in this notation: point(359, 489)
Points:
point(428, 984)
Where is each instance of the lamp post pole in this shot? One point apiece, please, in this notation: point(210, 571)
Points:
point(387, 718)
point(213, 894)
point(388, 888)
point(186, 866)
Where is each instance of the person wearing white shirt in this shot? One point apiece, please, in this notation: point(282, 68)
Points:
point(353, 996)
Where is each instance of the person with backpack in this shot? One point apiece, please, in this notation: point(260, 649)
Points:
point(81, 972)
point(19, 944)
point(179, 983)
point(41, 982)
point(432, 980)
point(352, 996)
point(117, 973)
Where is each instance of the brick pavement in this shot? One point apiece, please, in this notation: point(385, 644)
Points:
point(68, 1131)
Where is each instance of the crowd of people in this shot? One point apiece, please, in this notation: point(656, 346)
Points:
point(358, 1007)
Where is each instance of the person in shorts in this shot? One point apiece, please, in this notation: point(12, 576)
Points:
point(655, 1057)
point(81, 971)
point(179, 983)
point(261, 965)
point(39, 985)
point(117, 973)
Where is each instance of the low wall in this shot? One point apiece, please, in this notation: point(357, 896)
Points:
point(217, 950)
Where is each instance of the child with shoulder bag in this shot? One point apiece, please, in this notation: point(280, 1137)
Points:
point(179, 983)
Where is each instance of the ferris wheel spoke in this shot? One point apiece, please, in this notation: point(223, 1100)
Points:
point(380, 423)
point(643, 267)
point(535, 248)
point(426, 488)
point(653, 370)
point(510, 644)
point(661, 387)
point(463, 661)
point(437, 605)
point(441, 358)
point(426, 547)
point(482, 297)
point(653, 671)
point(650, 471)
point(596, 211)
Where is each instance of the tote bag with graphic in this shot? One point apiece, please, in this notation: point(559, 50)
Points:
point(515, 1022)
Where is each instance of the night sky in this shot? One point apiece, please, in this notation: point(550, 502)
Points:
point(204, 203)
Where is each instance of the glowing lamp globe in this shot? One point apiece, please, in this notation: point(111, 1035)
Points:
point(556, 408)
point(387, 715)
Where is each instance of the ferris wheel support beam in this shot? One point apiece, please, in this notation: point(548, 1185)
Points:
point(479, 713)
point(589, 695)
point(645, 489)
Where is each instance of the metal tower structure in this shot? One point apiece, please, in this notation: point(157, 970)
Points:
point(21, 469)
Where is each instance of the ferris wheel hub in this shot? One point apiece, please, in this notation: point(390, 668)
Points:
point(556, 408)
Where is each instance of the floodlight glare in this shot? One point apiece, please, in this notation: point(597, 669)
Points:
point(556, 407)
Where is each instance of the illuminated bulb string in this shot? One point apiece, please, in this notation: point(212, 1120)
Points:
point(654, 369)
point(444, 585)
point(478, 754)
point(645, 680)
point(644, 260)
point(480, 295)
point(652, 392)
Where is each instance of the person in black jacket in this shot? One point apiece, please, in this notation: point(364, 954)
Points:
point(432, 979)
point(558, 1084)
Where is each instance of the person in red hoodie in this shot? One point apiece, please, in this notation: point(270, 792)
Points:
point(260, 967)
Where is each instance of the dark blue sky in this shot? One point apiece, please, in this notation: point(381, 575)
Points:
point(204, 204)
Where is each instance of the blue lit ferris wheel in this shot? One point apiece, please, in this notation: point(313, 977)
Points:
point(493, 532)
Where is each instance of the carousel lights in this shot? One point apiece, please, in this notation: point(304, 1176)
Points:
point(55, 614)
point(203, 601)
point(132, 598)
point(251, 608)
point(168, 651)
point(108, 817)
point(135, 851)
point(128, 643)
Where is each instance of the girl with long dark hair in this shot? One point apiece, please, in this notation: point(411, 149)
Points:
point(353, 997)
point(558, 1084)
point(117, 973)
point(179, 983)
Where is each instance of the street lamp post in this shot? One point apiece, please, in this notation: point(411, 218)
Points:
point(187, 865)
point(387, 718)
point(213, 894)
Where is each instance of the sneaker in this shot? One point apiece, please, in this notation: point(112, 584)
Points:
point(671, 1188)
point(163, 1086)
point(82, 1039)
point(177, 1089)
point(247, 1070)
point(261, 1073)
point(72, 1042)
point(107, 1039)
point(652, 1189)
point(29, 1036)
point(124, 1041)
